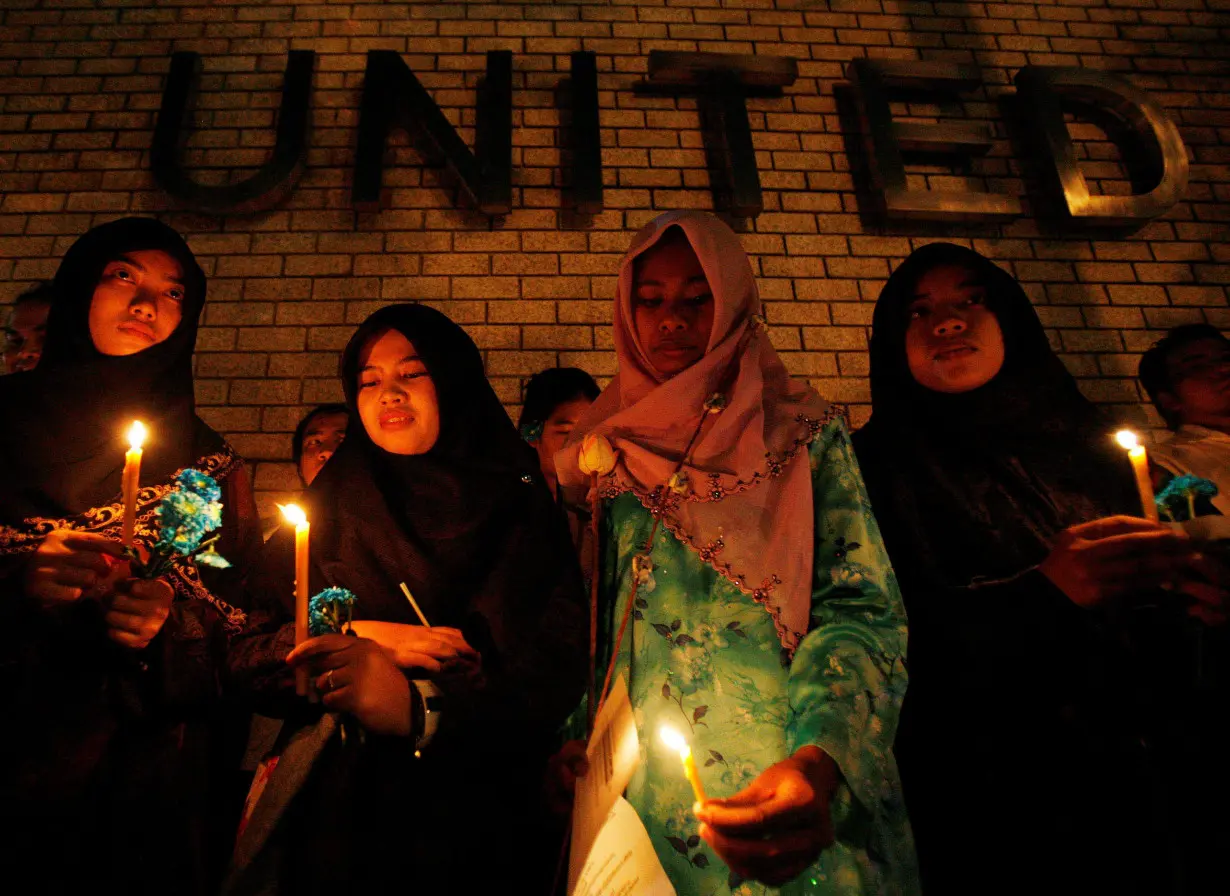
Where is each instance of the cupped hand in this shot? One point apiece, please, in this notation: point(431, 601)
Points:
point(773, 829)
point(1098, 562)
point(69, 565)
point(137, 611)
point(358, 676)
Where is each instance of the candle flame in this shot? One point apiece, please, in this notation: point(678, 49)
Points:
point(1127, 439)
point(674, 740)
point(136, 435)
point(294, 514)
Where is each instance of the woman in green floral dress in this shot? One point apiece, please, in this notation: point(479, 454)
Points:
point(765, 623)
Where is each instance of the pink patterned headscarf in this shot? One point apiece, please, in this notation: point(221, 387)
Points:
point(749, 512)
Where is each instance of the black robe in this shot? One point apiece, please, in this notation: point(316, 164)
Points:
point(1035, 737)
point(472, 530)
point(115, 759)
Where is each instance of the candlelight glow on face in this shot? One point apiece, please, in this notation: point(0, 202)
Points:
point(136, 435)
point(675, 741)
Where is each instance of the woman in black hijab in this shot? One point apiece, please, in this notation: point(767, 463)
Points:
point(433, 488)
point(112, 681)
point(1040, 642)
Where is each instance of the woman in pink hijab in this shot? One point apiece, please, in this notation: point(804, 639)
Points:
point(744, 593)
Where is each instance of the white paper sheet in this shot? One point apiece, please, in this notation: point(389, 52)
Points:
point(613, 753)
point(622, 861)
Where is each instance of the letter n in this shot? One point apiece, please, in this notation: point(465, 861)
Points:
point(276, 178)
point(1158, 149)
point(393, 96)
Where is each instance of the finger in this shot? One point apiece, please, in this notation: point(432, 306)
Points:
point(91, 560)
point(1109, 526)
point(93, 542)
point(1158, 542)
point(124, 638)
point(338, 700)
point(1139, 573)
point(323, 644)
point(72, 575)
point(323, 663)
point(1205, 593)
point(125, 622)
point(50, 592)
point(333, 680)
point(452, 643)
point(422, 661)
point(1210, 569)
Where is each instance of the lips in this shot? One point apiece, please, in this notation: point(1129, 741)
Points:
point(137, 328)
point(675, 348)
point(953, 352)
point(394, 419)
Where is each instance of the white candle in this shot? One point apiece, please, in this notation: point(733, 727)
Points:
point(131, 480)
point(675, 741)
point(1140, 467)
point(294, 514)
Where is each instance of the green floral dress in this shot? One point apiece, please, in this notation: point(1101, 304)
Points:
point(704, 658)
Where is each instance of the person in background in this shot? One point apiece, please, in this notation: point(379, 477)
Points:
point(763, 620)
point(1187, 377)
point(554, 400)
point(25, 328)
point(1049, 671)
point(317, 436)
point(115, 768)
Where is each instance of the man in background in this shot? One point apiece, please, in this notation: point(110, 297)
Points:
point(25, 328)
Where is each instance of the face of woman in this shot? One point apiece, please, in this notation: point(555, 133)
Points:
point(672, 306)
point(138, 302)
point(555, 432)
point(397, 398)
point(954, 342)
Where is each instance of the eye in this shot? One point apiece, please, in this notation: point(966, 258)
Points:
point(650, 304)
point(119, 272)
point(176, 294)
point(918, 312)
point(412, 374)
point(698, 301)
point(367, 384)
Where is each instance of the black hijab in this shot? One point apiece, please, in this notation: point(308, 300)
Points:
point(441, 521)
point(62, 445)
point(975, 485)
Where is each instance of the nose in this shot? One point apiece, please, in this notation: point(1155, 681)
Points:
point(950, 326)
point(672, 322)
point(392, 393)
point(143, 307)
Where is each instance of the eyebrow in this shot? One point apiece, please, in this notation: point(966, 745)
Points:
point(966, 284)
point(128, 259)
point(402, 361)
point(699, 278)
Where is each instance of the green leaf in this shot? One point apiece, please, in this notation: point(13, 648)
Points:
point(680, 846)
point(700, 860)
point(694, 841)
point(676, 624)
point(684, 639)
point(662, 630)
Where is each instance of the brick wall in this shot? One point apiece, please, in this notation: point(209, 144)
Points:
point(81, 80)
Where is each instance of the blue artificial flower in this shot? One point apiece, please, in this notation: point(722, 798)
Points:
point(1178, 498)
point(184, 519)
point(212, 558)
point(195, 481)
point(325, 611)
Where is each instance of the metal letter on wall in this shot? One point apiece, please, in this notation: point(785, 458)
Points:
point(887, 140)
point(1160, 149)
point(276, 178)
point(586, 135)
point(723, 82)
point(393, 96)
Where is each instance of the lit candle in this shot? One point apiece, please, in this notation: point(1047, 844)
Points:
point(131, 480)
point(294, 514)
point(675, 741)
point(1140, 466)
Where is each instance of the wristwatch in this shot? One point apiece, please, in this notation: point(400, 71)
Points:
point(431, 699)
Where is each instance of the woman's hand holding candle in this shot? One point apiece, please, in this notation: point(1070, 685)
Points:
point(69, 565)
point(356, 676)
point(773, 829)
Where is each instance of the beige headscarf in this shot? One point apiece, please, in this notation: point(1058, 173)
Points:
point(749, 512)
